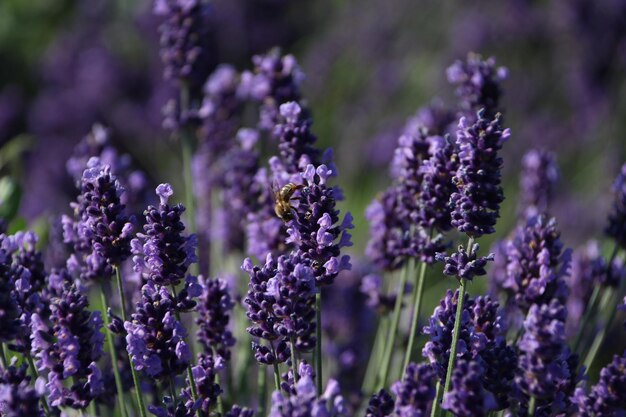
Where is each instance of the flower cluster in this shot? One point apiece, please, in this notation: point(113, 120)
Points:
point(537, 182)
point(68, 349)
point(607, 396)
point(215, 304)
point(17, 397)
point(381, 404)
point(468, 398)
point(476, 203)
point(415, 392)
point(304, 401)
point(465, 264)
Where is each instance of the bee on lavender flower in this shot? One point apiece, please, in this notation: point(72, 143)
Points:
point(283, 197)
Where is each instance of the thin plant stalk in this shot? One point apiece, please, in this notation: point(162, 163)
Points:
point(192, 380)
point(35, 372)
point(3, 356)
point(136, 383)
point(592, 304)
point(599, 339)
point(113, 352)
point(418, 292)
point(434, 411)
point(393, 329)
point(532, 405)
point(172, 387)
point(369, 381)
point(294, 364)
point(455, 335)
point(262, 391)
point(318, 341)
point(276, 370)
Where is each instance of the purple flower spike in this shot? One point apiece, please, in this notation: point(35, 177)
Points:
point(237, 411)
point(415, 392)
point(69, 349)
point(162, 253)
point(463, 265)
point(607, 397)
point(381, 404)
point(185, 39)
point(213, 316)
point(467, 398)
point(617, 218)
point(478, 84)
point(317, 230)
point(155, 338)
point(476, 204)
point(304, 401)
point(539, 176)
point(296, 141)
point(17, 397)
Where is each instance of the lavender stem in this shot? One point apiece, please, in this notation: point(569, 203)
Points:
point(262, 391)
point(418, 292)
point(3, 356)
point(318, 341)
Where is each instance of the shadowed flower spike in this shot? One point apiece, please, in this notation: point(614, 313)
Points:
point(381, 404)
point(536, 264)
point(415, 392)
point(478, 84)
point(543, 363)
point(100, 233)
point(215, 306)
point(17, 397)
point(467, 398)
point(69, 349)
point(185, 39)
point(296, 141)
point(317, 230)
point(155, 338)
point(607, 397)
point(537, 182)
point(463, 265)
point(476, 204)
point(617, 218)
point(162, 253)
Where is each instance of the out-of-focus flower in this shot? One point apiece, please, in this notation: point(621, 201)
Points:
point(162, 253)
point(617, 218)
point(478, 85)
point(304, 401)
point(17, 397)
point(415, 392)
point(539, 176)
point(186, 48)
point(467, 398)
point(476, 203)
point(381, 404)
point(536, 264)
point(607, 397)
point(214, 307)
point(69, 349)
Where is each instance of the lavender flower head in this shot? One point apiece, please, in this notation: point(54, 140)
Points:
point(476, 204)
point(537, 264)
point(617, 218)
point(213, 317)
point(316, 230)
point(305, 402)
point(185, 39)
point(17, 397)
point(10, 310)
point(280, 303)
point(465, 264)
point(539, 176)
point(381, 404)
point(155, 338)
point(607, 397)
point(69, 349)
point(478, 84)
point(415, 392)
point(100, 232)
point(467, 397)
point(162, 253)
point(543, 363)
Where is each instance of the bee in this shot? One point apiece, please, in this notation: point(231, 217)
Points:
point(283, 197)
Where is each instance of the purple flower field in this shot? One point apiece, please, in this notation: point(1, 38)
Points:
point(273, 208)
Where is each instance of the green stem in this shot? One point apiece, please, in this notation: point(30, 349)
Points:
point(532, 405)
point(457, 326)
point(3, 356)
point(172, 387)
point(192, 381)
point(318, 341)
point(133, 371)
point(113, 352)
point(386, 364)
point(369, 381)
point(434, 411)
point(276, 370)
point(591, 308)
point(294, 364)
point(262, 391)
point(35, 372)
point(418, 291)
